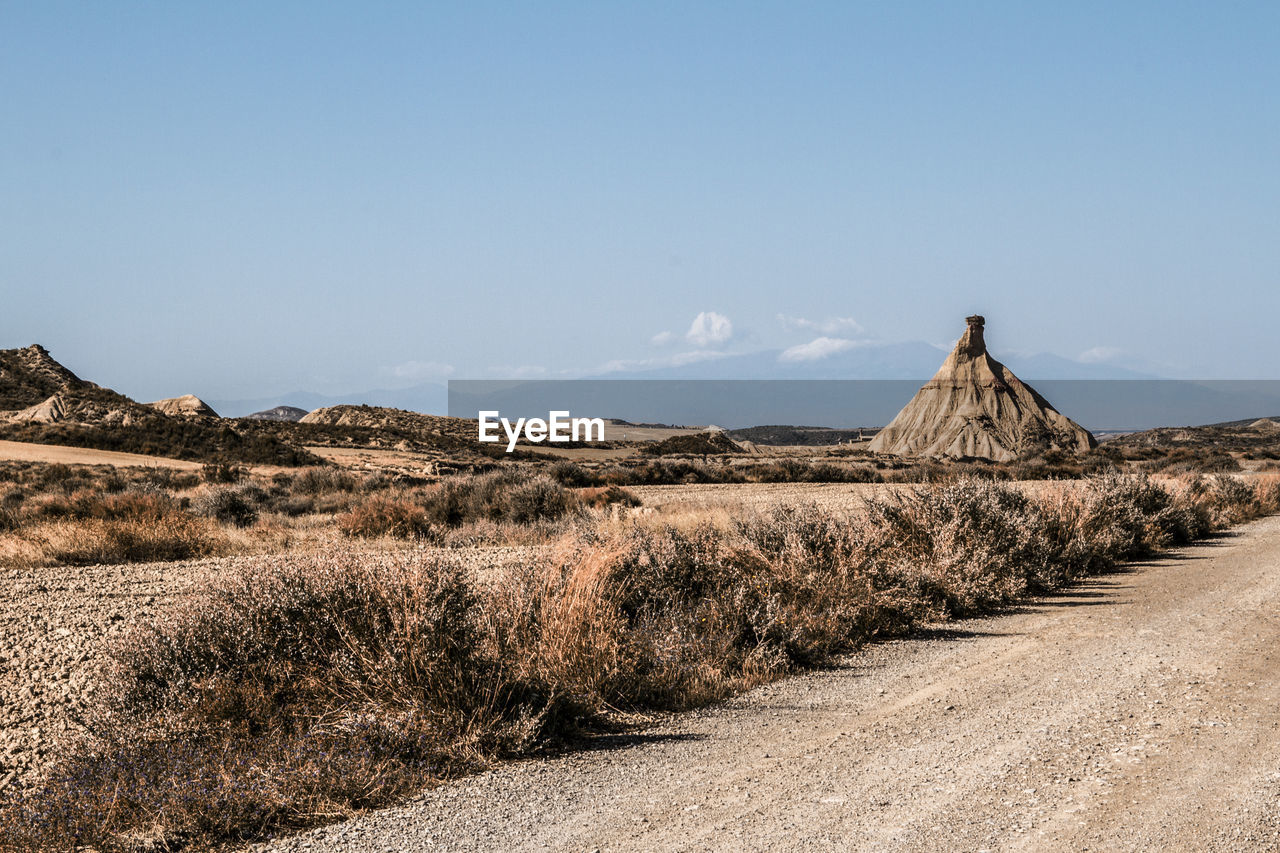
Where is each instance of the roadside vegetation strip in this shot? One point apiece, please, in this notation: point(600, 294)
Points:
point(273, 700)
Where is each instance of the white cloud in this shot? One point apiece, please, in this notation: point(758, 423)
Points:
point(421, 370)
point(816, 349)
point(1100, 354)
point(662, 339)
point(709, 328)
point(827, 326)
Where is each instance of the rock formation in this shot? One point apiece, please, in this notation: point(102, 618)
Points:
point(975, 407)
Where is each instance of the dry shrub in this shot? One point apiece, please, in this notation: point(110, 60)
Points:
point(236, 505)
point(1268, 493)
point(508, 495)
point(384, 516)
point(274, 699)
point(967, 545)
point(294, 695)
point(319, 481)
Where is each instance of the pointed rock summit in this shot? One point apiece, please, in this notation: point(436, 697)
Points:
point(975, 407)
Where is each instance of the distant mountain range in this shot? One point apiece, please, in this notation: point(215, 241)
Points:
point(911, 360)
point(430, 398)
point(915, 360)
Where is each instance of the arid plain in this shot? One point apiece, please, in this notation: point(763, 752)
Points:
point(228, 632)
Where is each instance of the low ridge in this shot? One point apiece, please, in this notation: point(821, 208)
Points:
point(279, 413)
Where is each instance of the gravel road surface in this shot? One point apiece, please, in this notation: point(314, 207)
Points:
point(1138, 711)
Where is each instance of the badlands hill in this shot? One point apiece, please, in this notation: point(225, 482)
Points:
point(29, 376)
point(974, 407)
point(36, 389)
point(43, 402)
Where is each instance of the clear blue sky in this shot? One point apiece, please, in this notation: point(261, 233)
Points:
point(239, 199)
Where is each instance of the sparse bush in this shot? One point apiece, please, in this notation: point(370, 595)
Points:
point(383, 516)
point(571, 474)
point(229, 505)
point(1185, 460)
point(1234, 500)
point(295, 505)
point(318, 481)
point(967, 545)
point(538, 498)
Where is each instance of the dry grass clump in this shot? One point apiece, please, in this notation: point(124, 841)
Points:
point(172, 537)
point(284, 697)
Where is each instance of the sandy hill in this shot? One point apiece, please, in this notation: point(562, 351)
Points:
point(278, 413)
point(186, 406)
point(975, 407)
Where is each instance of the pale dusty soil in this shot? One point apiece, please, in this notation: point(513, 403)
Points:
point(53, 625)
point(21, 451)
point(1138, 711)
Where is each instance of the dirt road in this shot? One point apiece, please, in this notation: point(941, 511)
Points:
point(1139, 711)
point(21, 451)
